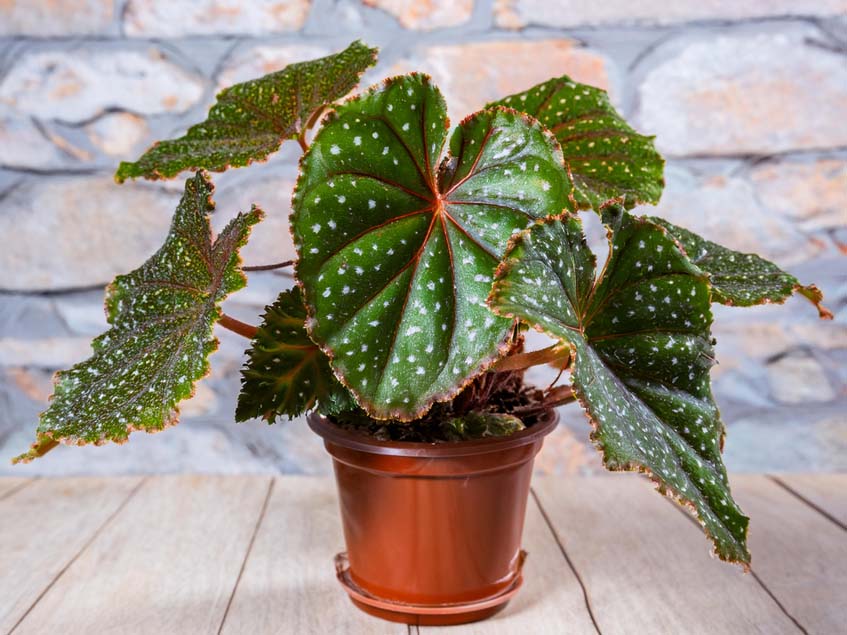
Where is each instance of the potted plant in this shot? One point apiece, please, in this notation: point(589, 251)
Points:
point(423, 256)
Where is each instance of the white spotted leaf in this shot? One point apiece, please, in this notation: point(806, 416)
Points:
point(161, 316)
point(250, 120)
point(286, 373)
point(398, 240)
point(607, 160)
point(740, 279)
point(642, 350)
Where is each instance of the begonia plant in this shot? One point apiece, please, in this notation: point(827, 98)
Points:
point(423, 253)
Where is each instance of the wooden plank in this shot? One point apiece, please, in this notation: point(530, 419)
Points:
point(646, 567)
point(10, 484)
point(827, 492)
point(167, 563)
point(800, 555)
point(551, 600)
point(44, 527)
point(288, 584)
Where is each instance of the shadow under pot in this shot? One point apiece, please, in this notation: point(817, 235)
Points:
point(433, 531)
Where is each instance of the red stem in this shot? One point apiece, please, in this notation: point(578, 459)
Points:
point(237, 326)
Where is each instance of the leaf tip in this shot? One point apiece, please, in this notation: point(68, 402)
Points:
point(43, 444)
point(815, 296)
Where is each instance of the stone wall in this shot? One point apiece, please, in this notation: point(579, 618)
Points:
point(748, 101)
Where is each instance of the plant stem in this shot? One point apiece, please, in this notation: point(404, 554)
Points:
point(559, 396)
point(276, 265)
point(237, 326)
point(301, 139)
point(520, 361)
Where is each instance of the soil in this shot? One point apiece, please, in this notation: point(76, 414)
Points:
point(492, 392)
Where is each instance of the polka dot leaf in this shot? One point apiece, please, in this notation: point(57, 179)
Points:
point(161, 318)
point(250, 120)
point(398, 240)
point(286, 373)
point(607, 159)
point(642, 350)
point(740, 279)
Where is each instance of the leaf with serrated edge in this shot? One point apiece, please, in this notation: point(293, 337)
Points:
point(740, 279)
point(162, 315)
point(397, 255)
point(642, 350)
point(607, 159)
point(250, 120)
point(286, 373)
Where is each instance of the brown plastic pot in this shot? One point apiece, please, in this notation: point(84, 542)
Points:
point(433, 531)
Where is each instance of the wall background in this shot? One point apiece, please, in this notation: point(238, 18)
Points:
point(748, 100)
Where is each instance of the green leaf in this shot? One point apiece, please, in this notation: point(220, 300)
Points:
point(397, 254)
point(162, 315)
point(481, 425)
point(286, 373)
point(740, 279)
point(250, 120)
point(607, 160)
point(642, 351)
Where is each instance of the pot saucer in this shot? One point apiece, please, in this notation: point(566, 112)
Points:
point(426, 614)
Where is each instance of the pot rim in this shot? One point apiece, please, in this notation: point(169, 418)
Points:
point(344, 438)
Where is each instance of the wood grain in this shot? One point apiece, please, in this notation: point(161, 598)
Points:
point(551, 601)
point(288, 584)
point(195, 554)
point(10, 484)
point(166, 564)
point(800, 555)
point(44, 527)
point(827, 492)
point(646, 567)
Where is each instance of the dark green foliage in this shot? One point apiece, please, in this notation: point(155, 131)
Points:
point(161, 318)
point(606, 158)
point(286, 373)
point(398, 244)
point(642, 350)
point(250, 120)
point(481, 425)
point(741, 279)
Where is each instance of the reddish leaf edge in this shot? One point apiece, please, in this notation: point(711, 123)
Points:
point(310, 121)
point(504, 346)
point(810, 292)
point(47, 441)
point(668, 492)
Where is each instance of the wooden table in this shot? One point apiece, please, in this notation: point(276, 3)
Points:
point(253, 555)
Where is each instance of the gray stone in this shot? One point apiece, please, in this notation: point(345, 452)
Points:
point(82, 313)
point(471, 75)
point(799, 378)
point(45, 18)
point(741, 94)
point(270, 241)
point(78, 232)
point(50, 353)
point(166, 18)
point(426, 15)
point(787, 441)
point(811, 193)
point(516, 14)
point(80, 84)
point(22, 145)
point(255, 61)
point(726, 209)
point(118, 134)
